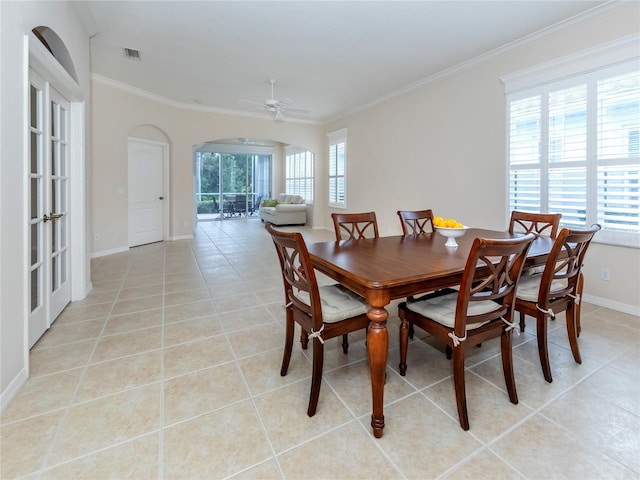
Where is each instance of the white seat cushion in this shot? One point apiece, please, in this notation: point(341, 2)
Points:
point(443, 309)
point(533, 270)
point(338, 303)
point(529, 286)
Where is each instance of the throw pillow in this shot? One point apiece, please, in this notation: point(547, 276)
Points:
point(269, 203)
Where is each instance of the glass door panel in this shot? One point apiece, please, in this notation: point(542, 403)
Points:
point(261, 178)
point(60, 286)
point(38, 316)
point(232, 182)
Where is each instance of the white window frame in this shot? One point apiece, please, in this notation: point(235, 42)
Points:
point(336, 139)
point(299, 173)
point(602, 62)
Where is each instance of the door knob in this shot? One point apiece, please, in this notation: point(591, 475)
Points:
point(51, 216)
point(160, 198)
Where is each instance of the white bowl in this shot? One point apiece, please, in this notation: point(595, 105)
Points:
point(451, 234)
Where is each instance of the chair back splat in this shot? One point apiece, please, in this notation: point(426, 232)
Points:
point(539, 223)
point(481, 310)
point(416, 221)
point(355, 225)
point(322, 312)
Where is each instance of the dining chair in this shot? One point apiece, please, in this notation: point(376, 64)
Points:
point(539, 223)
point(355, 225)
point(322, 312)
point(240, 205)
point(256, 204)
point(546, 224)
point(558, 289)
point(416, 221)
point(482, 309)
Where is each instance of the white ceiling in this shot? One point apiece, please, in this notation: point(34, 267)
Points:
point(331, 57)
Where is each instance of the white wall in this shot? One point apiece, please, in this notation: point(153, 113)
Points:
point(442, 146)
point(17, 19)
point(117, 112)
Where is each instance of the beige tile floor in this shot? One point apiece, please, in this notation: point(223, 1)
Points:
point(170, 369)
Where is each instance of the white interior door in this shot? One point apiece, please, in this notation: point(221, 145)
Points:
point(49, 261)
point(146, 192)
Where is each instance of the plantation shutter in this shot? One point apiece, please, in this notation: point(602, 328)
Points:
point(337, 169)
point(618, 152)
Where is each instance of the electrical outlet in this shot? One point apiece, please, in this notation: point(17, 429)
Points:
point(605, 274)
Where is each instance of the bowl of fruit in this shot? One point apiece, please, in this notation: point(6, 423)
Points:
point(450, 229)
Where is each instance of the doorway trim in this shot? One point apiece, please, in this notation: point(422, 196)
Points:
point(166, 206)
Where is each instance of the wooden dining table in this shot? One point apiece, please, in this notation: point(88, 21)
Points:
point(388, 268)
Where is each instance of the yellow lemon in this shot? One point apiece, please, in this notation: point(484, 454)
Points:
point(437, 221)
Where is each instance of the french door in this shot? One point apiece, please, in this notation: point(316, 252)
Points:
point(49, 261)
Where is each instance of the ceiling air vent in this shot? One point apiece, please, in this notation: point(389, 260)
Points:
point(132, 53)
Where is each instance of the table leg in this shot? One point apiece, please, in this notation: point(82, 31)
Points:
point(378, 347)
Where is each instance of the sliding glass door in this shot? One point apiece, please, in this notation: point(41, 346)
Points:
point(231, 184)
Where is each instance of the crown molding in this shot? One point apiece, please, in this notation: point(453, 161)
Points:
point(622, 50)
point(575, 20)
point(181, 105)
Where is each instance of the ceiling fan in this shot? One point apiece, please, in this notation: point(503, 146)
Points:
point(277, 107)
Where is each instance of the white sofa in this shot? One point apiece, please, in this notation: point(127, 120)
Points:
point(290, 210)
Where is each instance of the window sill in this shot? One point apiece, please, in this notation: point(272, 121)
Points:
point(617, 239)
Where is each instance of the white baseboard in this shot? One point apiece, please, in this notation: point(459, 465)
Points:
point(13, 388)
point(84, 294)
point(104, 253)
point(620, 307)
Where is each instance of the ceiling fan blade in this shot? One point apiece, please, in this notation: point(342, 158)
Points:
point(276, 107)
point(284, 102)
point(297, 110)
point(251, 102)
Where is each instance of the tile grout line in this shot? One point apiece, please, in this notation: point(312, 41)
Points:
point(172, 259)
point(45, 461)
point(249, 394)
point(536, 411)
point(161, 445)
